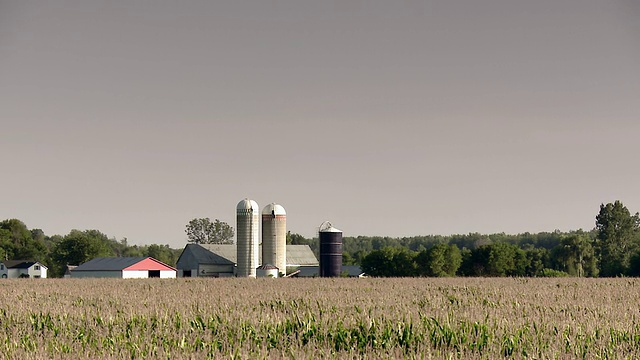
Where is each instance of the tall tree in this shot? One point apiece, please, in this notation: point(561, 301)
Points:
point(16, 242)
point(439, 260)
point(617, 232)
point(203, 231)
point(576, 256)
point(390, 262)
point(79, 247)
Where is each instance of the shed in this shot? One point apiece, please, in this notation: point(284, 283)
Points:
point(125, 268)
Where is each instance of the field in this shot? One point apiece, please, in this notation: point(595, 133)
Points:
point(320, 318)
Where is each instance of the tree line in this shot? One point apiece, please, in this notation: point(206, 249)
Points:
point(611, 248)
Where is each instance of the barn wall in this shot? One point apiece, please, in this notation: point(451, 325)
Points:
point(214, 270)
point(135, 274)
point(167, 274)
point(96, 274)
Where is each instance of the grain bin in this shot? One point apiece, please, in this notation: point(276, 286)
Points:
point(248, 230)
point(330, 250)
point(267, 270)
point(274, 236)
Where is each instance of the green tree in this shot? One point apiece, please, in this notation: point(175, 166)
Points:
point(617, 232)
point(79, 247)
point(439, 260)
point(576, 256)
point(162, 253)
point(203, 231)
point(296, 239)
point(538, 259)
point(17, 243)
point(390, 262)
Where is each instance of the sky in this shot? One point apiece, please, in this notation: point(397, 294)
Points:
point(386, 118)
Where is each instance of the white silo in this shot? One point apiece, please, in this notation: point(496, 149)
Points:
point(274, 236)
point(248, 230)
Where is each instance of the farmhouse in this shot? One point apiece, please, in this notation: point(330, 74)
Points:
point(13, 269)
point(124, 267)
point(215, 260)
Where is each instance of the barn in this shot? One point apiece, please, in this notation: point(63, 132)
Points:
point(216, 260)
point(124, 268)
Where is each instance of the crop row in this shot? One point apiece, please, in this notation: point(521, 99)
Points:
point(321, 318)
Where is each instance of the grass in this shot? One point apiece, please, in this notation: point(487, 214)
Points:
point(457, 318)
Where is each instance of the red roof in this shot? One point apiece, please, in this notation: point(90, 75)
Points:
point(149, 264)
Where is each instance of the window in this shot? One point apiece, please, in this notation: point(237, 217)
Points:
point(36, 267)
point(1, 266)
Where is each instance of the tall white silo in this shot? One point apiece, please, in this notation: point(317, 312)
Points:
point(274, 236)
point(248, 237)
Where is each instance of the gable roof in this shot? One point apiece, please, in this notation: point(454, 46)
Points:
point(108, 264)
point(21, 264)
point(300, 255)
point(227, 254)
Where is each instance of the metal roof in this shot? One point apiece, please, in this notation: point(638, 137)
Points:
point(108, 264)
point(228, 254)
point(301, 255)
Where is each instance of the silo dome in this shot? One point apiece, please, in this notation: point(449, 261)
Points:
point(247, 204)
point(274, 236)
point(273, 209)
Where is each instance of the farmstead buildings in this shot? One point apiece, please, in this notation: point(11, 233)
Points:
point(124, 267)
point(214, 260)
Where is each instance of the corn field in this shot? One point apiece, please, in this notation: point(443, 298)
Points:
point(456, 318)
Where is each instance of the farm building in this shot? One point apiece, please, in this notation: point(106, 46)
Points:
point(13, 269)
point(125, 268)
point(215, 260)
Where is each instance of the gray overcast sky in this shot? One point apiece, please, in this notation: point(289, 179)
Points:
point(393, 118)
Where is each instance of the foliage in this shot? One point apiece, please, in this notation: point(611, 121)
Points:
point(617, 235)
point(79, 247)
point(203, 231)
point(17, 242)
point(439, 260)
point(396, 262)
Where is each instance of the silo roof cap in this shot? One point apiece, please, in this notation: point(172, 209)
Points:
point(330, 229)
point(273, 209)
point(247, 204)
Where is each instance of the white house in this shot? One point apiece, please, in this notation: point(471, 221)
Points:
point(14, 269)
point(124, 267)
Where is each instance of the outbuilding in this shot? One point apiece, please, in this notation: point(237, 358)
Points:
point(125, 268)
